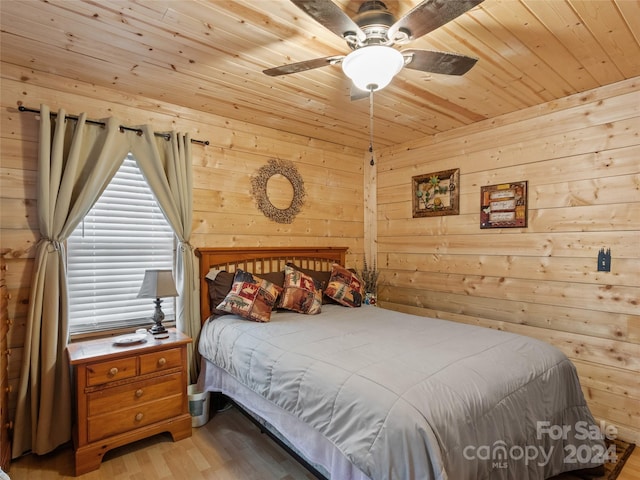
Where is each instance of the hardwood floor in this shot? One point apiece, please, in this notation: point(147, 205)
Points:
point(228, 447)
point(631, 470)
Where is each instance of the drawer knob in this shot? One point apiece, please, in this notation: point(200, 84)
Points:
point(139, 393)
point(162, 362)
point(139, 416)
point(113, 372)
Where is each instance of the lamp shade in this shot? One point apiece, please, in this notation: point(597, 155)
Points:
point(157, 284)
point(372, 67)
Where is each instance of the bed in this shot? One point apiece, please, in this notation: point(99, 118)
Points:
point(368, 393)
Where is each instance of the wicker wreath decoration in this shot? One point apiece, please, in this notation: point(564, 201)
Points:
point(259, 190)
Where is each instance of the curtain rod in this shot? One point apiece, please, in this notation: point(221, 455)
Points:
point(166, 136)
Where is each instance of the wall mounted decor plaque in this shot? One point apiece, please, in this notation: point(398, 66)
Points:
point(503, 205)
point(436, 194)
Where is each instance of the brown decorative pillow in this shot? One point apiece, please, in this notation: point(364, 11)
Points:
point(219, 287)
point(251, 297)
point(300, 293)
point(345, 287)
point(277, 278)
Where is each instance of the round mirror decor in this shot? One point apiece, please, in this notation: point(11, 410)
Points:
point(259, 189)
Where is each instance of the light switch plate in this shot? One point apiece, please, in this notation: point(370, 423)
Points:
point(604, 260)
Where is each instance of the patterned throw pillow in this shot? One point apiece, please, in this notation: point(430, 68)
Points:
point(301, 293)
point(251, 297)
point(319, 276)
point(345, 287)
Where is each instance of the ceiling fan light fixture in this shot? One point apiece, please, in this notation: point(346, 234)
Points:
point(372, 67)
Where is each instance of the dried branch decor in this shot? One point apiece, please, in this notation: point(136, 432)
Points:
point(259, 189)
point(369, 275)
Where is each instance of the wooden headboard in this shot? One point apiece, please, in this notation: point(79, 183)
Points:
point(262, 260)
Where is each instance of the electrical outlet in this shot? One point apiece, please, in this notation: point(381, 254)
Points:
point(604, 260)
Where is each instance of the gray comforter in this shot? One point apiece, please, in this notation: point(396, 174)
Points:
point(409, 397)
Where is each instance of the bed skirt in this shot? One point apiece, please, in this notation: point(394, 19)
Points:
point(301, 438)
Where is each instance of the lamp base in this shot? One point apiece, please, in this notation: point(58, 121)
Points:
point(158, 330)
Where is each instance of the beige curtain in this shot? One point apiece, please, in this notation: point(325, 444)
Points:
point(75, 163)
point(166, 164)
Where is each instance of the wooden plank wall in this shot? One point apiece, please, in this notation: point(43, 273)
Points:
point(581, 157)
point(224, 210)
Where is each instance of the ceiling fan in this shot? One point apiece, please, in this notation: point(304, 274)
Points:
point(374, 31)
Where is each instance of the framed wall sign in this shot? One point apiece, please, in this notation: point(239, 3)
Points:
point(436, 194)
point(503, 205)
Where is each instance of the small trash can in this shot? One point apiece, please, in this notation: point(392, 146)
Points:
point(198, 406)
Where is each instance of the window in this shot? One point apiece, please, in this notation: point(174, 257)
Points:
point(124, 234)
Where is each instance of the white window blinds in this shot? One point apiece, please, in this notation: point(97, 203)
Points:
point(124, 234)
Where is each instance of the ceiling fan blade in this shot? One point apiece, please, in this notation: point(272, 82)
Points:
point(438, 62)
point(302, 66)
point(429, 15)
point(328, 14)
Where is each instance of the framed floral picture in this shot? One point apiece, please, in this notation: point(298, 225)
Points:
point(503, 205)
point(436, 194)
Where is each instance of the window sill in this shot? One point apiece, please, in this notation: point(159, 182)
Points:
point(114, 332)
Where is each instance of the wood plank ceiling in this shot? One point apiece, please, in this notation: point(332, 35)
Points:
point(208, 55)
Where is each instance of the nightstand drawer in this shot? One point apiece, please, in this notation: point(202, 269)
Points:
point(138, 416)
point(158, 361)
point(109, 371)
point(108, 400)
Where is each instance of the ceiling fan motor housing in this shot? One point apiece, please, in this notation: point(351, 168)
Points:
point(374, 19)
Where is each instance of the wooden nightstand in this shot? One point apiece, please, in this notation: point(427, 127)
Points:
point(125, 393)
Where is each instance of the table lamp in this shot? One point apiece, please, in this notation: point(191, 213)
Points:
point(158, 284)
